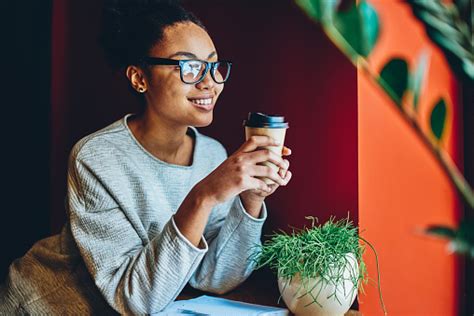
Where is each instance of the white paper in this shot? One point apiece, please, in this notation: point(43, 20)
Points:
point(216, 306)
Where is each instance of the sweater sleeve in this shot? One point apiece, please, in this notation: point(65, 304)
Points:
point(134, 277)
point(233, 236)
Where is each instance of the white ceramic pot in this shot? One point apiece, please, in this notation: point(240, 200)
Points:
point(324, 292)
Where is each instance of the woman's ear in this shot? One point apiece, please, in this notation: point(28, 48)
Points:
point(136, 77)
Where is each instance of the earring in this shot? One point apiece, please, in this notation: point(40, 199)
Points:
point(141, 89)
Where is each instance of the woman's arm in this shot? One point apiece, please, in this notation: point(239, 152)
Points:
point(235, 175)
point(232, 235)
point(133, 276)
point(192, 216)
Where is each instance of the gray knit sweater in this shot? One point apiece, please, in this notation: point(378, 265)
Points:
point(120, 249)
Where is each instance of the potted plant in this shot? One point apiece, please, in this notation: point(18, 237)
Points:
point(320, 269)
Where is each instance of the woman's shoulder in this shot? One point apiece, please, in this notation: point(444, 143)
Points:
point(104, 140)
point(210, 145)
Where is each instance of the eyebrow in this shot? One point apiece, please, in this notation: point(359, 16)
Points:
point(190, 55)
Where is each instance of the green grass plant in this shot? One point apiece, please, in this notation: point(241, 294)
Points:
point(317, 251)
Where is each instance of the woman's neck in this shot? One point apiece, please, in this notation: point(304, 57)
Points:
point(168, 143)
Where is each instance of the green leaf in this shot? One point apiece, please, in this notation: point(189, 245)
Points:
point(447, 25)
point(417, 78)
point(449, 45)
point(395, 78)
point(310, 9)
point(441, 26)
point(431, 6)
point(359, 26)
point(370, 26)
point(318, 9)
point(438, 118)
point(441, 231)
point(468, 68)
point(461, 239)
point(459, 246)
point(464, 242)
point(466, 230)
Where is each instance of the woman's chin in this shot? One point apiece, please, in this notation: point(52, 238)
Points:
point(204, 120)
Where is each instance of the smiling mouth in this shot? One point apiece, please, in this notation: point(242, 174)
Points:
point(206, 104)
point(207, 101)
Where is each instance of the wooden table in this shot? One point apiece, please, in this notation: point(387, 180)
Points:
point(260, 288)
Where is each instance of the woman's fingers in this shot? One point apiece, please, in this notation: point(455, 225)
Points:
point(263, 155)
point(287, 176)
point(282, 172)
point(255, 142)
point(286, 151)
point(268, 172)
point(259, 184)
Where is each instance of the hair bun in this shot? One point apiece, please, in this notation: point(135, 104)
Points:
point(133, 7)
point(130, 28)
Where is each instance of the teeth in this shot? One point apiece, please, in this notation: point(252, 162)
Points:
point(202, 101)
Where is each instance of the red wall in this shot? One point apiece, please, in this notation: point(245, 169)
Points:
point(282, 64)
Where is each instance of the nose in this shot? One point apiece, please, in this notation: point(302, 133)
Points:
point(207, 83)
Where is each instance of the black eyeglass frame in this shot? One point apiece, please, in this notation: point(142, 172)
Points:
point(175, 62)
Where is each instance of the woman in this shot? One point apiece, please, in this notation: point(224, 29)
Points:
point(152, 203)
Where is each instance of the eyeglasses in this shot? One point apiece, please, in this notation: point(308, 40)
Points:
point(193, 71)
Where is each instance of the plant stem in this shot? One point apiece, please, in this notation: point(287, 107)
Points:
point(443, 159)
point(378, 273)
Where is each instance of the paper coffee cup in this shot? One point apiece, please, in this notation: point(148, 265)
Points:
point(260, 124)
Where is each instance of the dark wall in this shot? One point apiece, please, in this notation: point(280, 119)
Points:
point(283, 64)
point(25, 209)
point(86, 94)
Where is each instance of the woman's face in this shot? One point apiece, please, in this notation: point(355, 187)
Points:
point(170, 98)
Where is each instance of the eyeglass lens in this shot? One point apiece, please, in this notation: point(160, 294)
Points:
point(221, 72)
point(194, 70)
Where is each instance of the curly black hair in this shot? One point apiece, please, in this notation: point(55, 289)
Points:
point(130, 28)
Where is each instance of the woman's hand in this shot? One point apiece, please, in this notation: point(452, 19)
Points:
point(253, 199)
point(239, 172)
